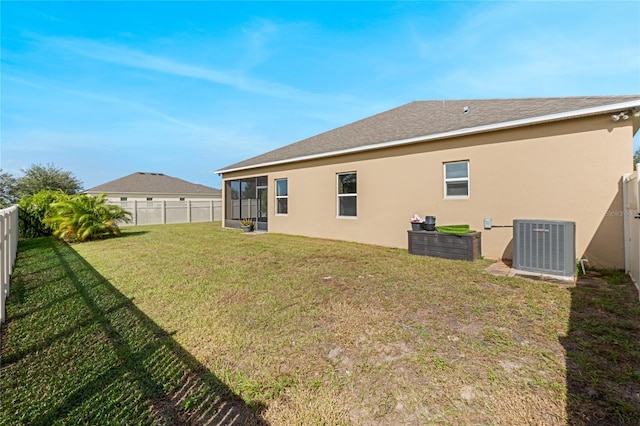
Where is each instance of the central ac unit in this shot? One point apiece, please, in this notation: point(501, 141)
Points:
point(544, 246)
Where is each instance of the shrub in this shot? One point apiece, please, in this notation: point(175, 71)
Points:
point(33, 210)
point(83, 217)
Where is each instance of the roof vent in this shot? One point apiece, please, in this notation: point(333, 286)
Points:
point(466, 110)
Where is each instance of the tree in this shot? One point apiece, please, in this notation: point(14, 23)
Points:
point(83, 217)
point(7, 189)
point(636, 158)
point(38, 178)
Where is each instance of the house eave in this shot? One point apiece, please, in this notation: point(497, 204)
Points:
point(450, 134)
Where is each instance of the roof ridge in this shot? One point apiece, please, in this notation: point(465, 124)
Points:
point(153, 182)
point(526, 98)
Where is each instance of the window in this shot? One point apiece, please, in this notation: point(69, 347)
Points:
point(456, 179)
point(282, 196)
point(149, 198)
point(347, 195)
point(181, 198)
point(123, 198)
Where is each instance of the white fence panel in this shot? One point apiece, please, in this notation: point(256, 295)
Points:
point(149, 213)
point(176, 212)
point(201, 211)
point(631, 195)
point(167, 212)
point(8, 252)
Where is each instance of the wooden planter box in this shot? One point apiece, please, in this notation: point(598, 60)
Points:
point(437, 244)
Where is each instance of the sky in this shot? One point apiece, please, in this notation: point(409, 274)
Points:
point(106, 89)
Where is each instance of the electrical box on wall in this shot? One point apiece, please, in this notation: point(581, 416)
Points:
point(544, 246)
point(488, 223)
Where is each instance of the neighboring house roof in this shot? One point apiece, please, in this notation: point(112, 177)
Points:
point(428, 120)
point(153, 183)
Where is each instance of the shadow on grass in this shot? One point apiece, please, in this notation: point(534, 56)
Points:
point(77, 351)
point(603, 351)
point(130, 233)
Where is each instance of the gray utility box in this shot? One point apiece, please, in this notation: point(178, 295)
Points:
point(544, 246)
point(438, 244)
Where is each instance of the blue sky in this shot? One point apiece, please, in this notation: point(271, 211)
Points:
point(105, 89)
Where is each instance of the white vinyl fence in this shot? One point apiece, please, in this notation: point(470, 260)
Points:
point(165, 212)
point(8, 251)
point(631, 200)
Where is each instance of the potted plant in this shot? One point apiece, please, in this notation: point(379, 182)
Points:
point(246, 224)
point(416, 223)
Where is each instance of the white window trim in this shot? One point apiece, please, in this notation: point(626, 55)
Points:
point(278, 197)
point(345, 195)
point(450, 180)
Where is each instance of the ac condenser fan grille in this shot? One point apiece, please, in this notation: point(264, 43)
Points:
point(544, 246)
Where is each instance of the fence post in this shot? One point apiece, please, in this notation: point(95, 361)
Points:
point(14, 237)
point(7, 249)
point(163, 213)
point(135, 212)
point(3, 287)
point(6, 253)
point(211, 216)
point(626, 221)
point(188, 211)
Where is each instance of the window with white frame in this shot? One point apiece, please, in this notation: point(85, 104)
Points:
point(347, 195)
point(456, 179)
point(282, 196)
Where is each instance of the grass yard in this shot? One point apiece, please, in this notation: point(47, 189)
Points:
point(193, 324)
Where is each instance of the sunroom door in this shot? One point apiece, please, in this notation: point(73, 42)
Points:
point(261, 220)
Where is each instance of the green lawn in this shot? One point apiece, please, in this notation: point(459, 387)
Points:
point(200, 325)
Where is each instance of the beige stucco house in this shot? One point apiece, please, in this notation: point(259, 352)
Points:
point(144, 186)
point(462, 161)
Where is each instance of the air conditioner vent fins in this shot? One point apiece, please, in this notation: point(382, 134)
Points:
point(544, 246)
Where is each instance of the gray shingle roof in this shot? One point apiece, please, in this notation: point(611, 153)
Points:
point(153, 183)
point(425, 118)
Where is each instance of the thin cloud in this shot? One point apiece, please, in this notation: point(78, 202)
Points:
point(132, 58)
point(259, 33)
point(111, 100)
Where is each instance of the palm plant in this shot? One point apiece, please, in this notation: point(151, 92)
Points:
point(83, 217)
